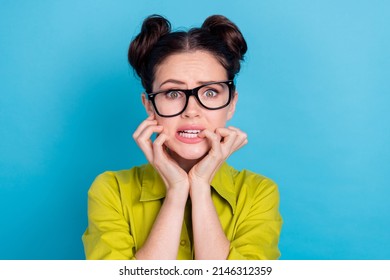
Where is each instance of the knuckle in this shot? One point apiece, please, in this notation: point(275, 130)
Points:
point(243, 135)
point(214, 137)
point(219, 129)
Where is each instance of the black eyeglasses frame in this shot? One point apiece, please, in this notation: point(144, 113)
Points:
point(192, 92)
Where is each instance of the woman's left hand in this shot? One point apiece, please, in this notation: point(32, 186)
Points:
point(224, 142)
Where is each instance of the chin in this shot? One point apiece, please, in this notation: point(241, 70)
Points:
point(191, 155)
point(191, 152)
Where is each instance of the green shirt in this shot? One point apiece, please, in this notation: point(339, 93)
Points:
point(123, 205)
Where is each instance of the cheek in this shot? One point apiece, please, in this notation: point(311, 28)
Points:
point(217, 118)
point(168, 124)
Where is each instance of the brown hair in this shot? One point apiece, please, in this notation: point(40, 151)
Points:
point(217, 35)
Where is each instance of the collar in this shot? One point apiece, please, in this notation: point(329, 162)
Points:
point(153, 187)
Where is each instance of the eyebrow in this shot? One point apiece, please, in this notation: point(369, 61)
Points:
point(183, 83)
point(173, 81)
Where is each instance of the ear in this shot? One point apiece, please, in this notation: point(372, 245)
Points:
point(232, 106)
point(147, 104)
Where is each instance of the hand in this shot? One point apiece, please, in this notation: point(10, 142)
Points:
point(224, 142)
point(171, 173)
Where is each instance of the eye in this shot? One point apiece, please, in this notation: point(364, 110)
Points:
point(210, 93)
point(173, 94)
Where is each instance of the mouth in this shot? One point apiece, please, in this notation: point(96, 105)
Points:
point(190, 133)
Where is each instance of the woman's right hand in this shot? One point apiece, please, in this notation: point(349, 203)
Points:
point(174, 177)
point(164, 237)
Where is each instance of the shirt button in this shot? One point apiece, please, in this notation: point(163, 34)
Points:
point(183, 243)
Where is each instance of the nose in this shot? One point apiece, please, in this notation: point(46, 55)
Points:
point(193, 108)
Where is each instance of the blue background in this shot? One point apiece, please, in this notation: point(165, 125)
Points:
point(314, 100)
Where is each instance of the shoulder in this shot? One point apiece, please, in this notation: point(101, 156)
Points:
point(256, 195)
point(253, 183)
point(114, 182)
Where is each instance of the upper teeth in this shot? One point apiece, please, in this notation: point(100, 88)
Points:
point(191, 131)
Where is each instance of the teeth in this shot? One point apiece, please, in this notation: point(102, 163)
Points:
point(189, 133)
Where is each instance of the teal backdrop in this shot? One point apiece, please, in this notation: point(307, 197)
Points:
point(314, 96)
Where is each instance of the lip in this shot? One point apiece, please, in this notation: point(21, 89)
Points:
point(189, 137)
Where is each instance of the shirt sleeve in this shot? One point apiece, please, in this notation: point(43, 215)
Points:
point(257, 236)
point(108, 233)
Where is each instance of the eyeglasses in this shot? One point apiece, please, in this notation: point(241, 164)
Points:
point(173, 102)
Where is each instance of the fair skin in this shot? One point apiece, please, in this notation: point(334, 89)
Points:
point(187, 169)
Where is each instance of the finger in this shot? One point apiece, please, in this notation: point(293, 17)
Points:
point(168, 169)
point(215, 153)
point(148, 131)
point(161, 157)
point(213, 138)
point(147, 122)
point(241, 139)
point(144, 141)
point(228, 140)
point(159, 148)
point(160, 139)
point(208, 166)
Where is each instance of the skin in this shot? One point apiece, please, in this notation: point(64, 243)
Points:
point(187, 169)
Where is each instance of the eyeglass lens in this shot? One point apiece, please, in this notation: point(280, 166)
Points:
point(212, 96)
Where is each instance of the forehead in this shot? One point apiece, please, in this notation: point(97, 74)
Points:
point(190, 68)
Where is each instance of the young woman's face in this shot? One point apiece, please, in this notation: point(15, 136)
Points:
point(186, 71)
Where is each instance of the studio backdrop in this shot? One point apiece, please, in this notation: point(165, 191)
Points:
point(314, 98)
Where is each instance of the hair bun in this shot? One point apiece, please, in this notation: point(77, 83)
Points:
point(226, 30)
point(153, 28)
point(155, 42)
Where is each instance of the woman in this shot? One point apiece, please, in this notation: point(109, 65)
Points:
point(186, 203)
